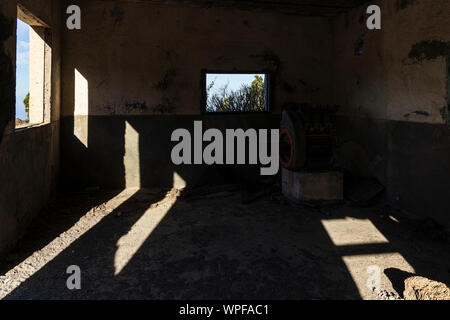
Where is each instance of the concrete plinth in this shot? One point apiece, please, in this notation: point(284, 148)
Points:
point(313, 186)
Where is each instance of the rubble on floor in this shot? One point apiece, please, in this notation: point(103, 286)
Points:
point(420, 288)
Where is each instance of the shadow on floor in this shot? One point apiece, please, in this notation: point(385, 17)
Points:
point(219, 248)
point(58, 216)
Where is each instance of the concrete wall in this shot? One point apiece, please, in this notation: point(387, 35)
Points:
point(138, 65)
point(132, 74)
point(29, 158)
point(37, 67)
point(395, 101)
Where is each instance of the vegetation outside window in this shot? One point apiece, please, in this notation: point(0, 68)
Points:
point(236, 92)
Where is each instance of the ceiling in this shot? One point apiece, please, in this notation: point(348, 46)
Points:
point(304, 7)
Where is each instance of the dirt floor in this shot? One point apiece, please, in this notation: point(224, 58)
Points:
point(159, 244)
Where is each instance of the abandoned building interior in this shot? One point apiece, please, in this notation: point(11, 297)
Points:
point(357, 206)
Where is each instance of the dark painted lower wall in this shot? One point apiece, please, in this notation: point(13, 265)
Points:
point(28, 176)
point(102, 162)
point(411, 159)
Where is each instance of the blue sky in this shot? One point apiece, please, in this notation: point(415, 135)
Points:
point(234, 81)
point(22, 67)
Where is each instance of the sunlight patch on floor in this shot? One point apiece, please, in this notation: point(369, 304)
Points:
point(365, 269)
point(349, 231)
point(29, 267)
point(130, 243)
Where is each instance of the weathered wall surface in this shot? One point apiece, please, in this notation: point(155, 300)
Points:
point(139, 65)
point(132, 74)
point(29, 158)
point(395, 101)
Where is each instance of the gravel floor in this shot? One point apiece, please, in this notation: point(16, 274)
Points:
point(158, 244)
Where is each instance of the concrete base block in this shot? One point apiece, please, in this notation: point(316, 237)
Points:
point(313, 186)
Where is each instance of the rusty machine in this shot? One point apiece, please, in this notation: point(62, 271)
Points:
point(307, 142)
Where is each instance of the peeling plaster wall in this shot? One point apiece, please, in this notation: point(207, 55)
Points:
point(29, 158)
point(394, 98)
point(402, 73)
point(141, 64)
point(143, 59)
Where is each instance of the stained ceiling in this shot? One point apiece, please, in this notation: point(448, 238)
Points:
point(304, 7)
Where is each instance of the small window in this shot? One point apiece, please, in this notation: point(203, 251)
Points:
point(33, 69)
point(22, 74)
point(235, 92)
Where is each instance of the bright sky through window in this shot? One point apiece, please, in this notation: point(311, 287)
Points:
point(22, 68)
point(236, 92)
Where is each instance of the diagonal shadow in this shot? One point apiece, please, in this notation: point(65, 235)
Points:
point(93, 252)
